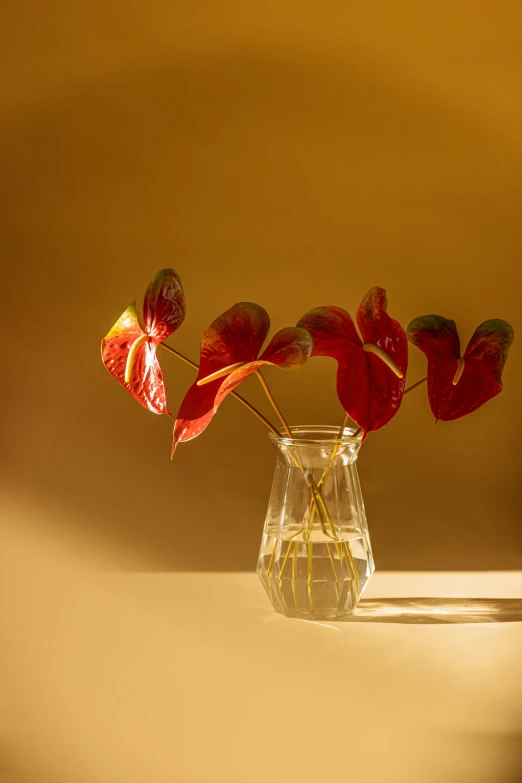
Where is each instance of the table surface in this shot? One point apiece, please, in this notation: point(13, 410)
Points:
point(156, 677)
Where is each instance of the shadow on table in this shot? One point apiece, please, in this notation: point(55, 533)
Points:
point(437, 610)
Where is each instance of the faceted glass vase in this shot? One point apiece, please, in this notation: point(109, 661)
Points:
point(315, 559)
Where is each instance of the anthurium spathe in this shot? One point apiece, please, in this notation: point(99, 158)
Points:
point(458, 385)
point(230, 350)
point(129, 351)
point(371, 371)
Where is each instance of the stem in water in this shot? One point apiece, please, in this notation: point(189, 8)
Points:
point(274, 404)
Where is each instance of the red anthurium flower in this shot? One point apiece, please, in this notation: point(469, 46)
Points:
point(129, 352)
point(458, 385)
point(370, 373)
point(230, 353)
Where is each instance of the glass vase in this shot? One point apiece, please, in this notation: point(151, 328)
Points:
point(315, 559)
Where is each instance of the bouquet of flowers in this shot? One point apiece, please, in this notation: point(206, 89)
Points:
point(372, 363)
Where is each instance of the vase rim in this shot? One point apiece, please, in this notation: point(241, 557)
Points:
point(316, 435)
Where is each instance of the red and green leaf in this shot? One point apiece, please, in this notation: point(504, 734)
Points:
point(129, 352)
point(459, 385)
point(332, 330)
point(490, 345)
point(370, 374)
point(436, 336)
point(289, 349)
point(146, 380)
point(164, 306)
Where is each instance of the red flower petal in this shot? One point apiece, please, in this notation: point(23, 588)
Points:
point(164, 306)
point(129, 352)
point(331, 328)
point(458, 386)
point(146, 381)
point(490, 344)
point(377, 328)
point(436, 336)
point(235, 336)
point(288, 349)
point(368, 388)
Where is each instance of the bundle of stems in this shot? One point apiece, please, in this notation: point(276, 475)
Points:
point(317, 506)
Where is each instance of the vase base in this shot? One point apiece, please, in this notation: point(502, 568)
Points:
point(315, 616)
point(314, 580)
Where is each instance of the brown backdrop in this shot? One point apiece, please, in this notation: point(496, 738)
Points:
point(292, 154)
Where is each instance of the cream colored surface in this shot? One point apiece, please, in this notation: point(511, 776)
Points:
point(160, 678)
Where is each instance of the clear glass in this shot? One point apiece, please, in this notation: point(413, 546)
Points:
point(316, 559)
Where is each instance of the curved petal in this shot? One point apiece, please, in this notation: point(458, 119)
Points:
point(379, 329)
point(146, 379)
point(490, 344)
point(331, 328)
point(235, 336)
point(369, 391)
point(164, 306)
point(458, 386)
point(438, 339)
point(289, 348)
point(196, 412)
point(436, 336)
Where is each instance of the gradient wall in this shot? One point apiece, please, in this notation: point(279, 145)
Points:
point(293, 154)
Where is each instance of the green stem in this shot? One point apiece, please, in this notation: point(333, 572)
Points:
point(322, 482)
point(334, 569)
point(318, 502)
point(294, 573)
point(285, 559)
point(274, 404)
point(295, 458)
point(271, 561)
point(353, 569)
point(414, 385)
point(309, 579)
point(324, 477)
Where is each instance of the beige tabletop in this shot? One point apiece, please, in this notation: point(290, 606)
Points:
point(167, 677)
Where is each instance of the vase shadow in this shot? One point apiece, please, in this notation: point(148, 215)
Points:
point(437, 610)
